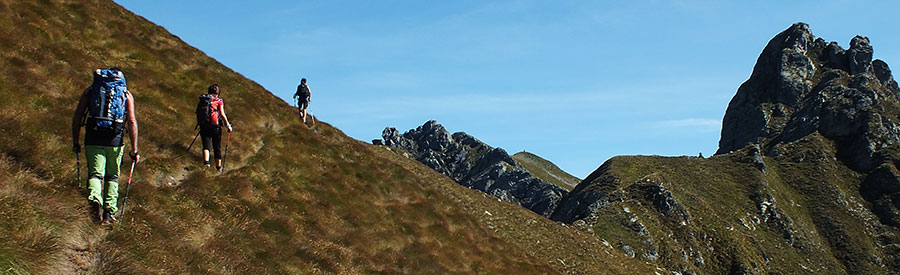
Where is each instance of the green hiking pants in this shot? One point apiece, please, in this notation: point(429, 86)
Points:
point(103, 167)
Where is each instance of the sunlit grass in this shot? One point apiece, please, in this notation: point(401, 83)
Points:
point(294, 199)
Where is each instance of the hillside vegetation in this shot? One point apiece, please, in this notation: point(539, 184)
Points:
point(294, 199)
point(724, 215)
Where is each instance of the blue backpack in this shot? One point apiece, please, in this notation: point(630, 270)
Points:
point(106, 109)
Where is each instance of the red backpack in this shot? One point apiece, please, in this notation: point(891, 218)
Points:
point(208, 111)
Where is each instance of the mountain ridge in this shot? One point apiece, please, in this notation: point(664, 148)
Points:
point(474, 164)
point(545, 170)
point(792, 188)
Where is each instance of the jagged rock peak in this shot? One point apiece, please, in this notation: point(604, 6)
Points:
point(474, 164)
point(801, 85)
point(860, 55)
point(798, 37)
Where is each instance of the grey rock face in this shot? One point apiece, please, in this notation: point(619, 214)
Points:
point(780, 79)
point(883, 73)
point(860, 55)
point(476, 165)
point(802, 85)
point(882, 188)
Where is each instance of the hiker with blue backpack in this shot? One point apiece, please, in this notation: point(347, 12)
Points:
point(211, 118)
point(106, 109)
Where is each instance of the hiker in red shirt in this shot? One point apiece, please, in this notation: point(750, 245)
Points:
point(211, 118)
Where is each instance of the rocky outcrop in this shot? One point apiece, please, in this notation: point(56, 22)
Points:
point(598, 190)
point(476, 165)
point(775, 217)
point(605, 190)
point(882, 188)
point(801, 85)
point(636, 211)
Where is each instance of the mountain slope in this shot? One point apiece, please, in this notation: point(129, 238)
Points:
point(545, 170)
point(805, 180)
point(294, 199)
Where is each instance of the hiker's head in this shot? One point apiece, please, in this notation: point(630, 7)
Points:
point(115, 68)
point(213, 89)
point(303, 81)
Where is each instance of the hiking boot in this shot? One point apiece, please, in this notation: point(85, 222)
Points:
point(96, 213)
point(206, 163)
point(219, 168)
point(108, 217)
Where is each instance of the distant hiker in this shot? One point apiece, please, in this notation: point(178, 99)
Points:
point(210, 118)
point(108, 108)
point(302, 96)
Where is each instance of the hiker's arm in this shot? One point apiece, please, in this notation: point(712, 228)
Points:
point(308, 93)
point(78, 118)
point(222, 114)
point(132, 127)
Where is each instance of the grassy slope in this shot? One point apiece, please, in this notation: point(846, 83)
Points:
point(545, 170)
point(835, 232)
point(294, 200)
point(568, 250)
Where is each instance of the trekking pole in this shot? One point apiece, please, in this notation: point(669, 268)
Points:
point(78, 154)
point(78, 169)
point(192, 141)
point(226, 152)
point(127, 188)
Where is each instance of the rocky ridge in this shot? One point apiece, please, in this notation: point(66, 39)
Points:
point(476, 165)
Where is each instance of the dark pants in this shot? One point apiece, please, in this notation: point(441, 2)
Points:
point(212, 137)
point(302, 104)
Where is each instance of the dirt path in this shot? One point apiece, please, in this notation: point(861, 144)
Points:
point(81, 246)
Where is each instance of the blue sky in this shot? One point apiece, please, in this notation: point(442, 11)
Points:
point(576, 82)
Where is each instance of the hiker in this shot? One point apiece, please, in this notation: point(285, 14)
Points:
point(106, 109)
point(210, 118)
point(302, 95)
